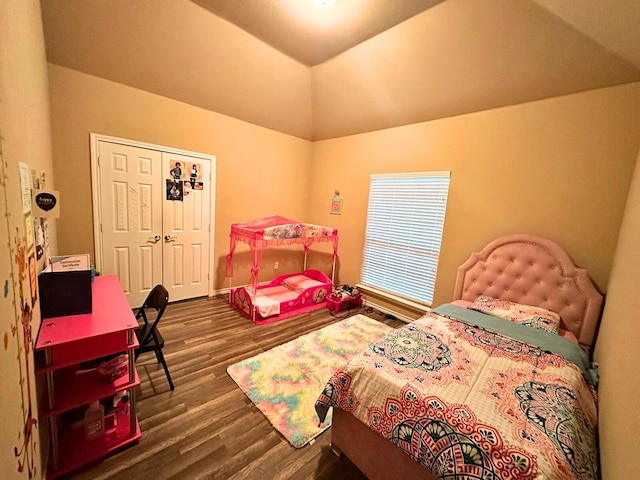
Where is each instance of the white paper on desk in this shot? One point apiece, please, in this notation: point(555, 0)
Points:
point(70, 263)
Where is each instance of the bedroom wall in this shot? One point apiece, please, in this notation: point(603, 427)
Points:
point(617, 352)
point(25, 137)
point(558, 168)
point(458, 57)
point(259, 171)
point(179, 50)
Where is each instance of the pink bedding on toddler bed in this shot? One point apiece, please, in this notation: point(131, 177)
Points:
point(284, 296)
point(268, 300)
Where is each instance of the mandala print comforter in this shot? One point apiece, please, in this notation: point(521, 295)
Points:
point(469, 402)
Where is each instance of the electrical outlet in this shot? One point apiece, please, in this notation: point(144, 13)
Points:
point(276, 265)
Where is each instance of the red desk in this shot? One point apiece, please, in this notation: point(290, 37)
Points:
point(64, 343)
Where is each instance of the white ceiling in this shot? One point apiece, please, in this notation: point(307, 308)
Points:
point(315, 34)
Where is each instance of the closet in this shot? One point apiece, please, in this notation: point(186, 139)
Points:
point(153, 221)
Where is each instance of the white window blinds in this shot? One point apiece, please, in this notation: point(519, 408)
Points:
point(404, 232)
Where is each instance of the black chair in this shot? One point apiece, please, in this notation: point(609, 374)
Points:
point(148, 334)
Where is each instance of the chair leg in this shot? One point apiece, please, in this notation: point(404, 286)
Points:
point(164, 365)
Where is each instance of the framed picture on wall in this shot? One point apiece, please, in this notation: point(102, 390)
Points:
point(336, 206)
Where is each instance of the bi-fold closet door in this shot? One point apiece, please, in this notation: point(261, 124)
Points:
point(153, 218)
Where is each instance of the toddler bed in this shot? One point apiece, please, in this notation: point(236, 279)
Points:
point(497, 391)
point(286, 295)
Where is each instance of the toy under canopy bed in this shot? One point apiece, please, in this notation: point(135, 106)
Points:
point(484, 387)
point(289, 294)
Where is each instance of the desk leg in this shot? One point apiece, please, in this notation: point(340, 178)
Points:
point(53, 421)
point(132, 394)
point(132, 411)
point(132, 366)
point(48, 360)
point(55, 451)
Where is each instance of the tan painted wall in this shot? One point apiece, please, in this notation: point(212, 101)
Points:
point(179, 50)
point(259, 171)
point(558, 168)
point(617, 351)
point(25, 133)
point(457, 57)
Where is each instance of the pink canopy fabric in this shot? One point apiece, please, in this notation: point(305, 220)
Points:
point(275, 231)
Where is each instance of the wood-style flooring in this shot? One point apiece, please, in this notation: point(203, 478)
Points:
point(207, 428)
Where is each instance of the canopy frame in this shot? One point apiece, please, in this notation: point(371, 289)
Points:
point(276, 231)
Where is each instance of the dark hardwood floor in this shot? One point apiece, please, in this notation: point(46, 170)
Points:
point(207, 428)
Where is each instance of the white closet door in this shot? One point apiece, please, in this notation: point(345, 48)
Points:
point(186, 225)
point(131, 199)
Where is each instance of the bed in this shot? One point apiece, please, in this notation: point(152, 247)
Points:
point(283, 297)
point(289, 294)
point(470, 393)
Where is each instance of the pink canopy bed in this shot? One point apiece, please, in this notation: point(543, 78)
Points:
point(472, 390)
point(289, 294)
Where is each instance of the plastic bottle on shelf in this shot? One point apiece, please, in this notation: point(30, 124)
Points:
point(94, 420)
point(113, 408)
point(122, 408)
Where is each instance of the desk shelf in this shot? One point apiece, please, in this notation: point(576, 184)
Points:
point(63, 344)
point(75, 451)
point(75, 390)
point(81, 351)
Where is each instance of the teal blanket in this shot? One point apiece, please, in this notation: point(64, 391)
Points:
point(547, 341)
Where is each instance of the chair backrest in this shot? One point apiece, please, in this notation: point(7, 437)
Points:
point(157, 300)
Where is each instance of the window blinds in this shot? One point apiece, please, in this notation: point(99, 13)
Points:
point(404, 232)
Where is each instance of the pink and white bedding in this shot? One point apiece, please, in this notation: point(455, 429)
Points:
point(284, 296)
point(569, 335)
point(477, 397)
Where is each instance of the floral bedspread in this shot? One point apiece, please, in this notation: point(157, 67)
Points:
point(471, 403)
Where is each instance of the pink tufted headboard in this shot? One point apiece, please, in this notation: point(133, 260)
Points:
point(534, 271)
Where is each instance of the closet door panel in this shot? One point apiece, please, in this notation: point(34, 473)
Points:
point(131, 217)
point(186, 225)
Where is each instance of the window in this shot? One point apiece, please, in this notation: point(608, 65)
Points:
point(404, 232)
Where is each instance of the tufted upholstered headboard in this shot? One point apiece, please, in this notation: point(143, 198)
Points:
point(534, 271)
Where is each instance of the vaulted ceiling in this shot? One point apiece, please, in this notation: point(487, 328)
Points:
point(313, 34)
point(358, 66)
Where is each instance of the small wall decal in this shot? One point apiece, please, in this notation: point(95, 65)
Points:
point(336, 206)
point(195, 174)
point(28, 229)
point(174, 190)
point(176, 170)
point(45, 203)
point(25, 187)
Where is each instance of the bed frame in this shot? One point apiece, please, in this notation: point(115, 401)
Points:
point(534, 271)
point(291, 302)
point(519, 268)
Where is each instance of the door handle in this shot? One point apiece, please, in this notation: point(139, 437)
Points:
point(169, 238)
point(155, 239)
